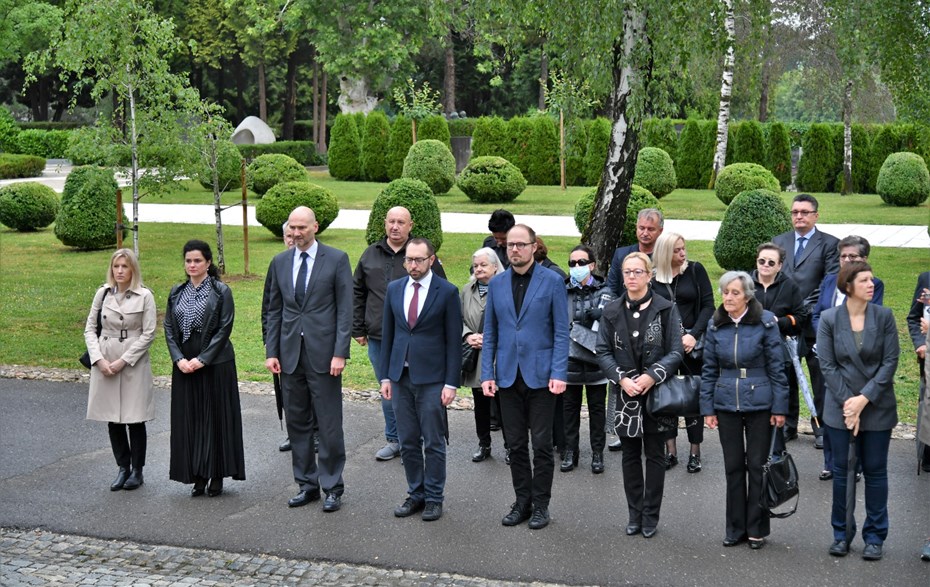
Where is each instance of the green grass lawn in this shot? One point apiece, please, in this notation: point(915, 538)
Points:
point(46, 290)
point(552, 201)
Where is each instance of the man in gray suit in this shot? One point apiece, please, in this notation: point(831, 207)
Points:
point(810, 255)
point(309, 322)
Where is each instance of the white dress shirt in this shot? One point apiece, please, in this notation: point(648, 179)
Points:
point(311, 252)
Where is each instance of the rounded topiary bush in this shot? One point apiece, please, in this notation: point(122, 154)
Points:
point(434, 127)
point(903, 180)
point(87, 216)
point(228, 168)
point(345, 148)
point(418, 199)
point(398, 144)
point(655, 172)
point(273, 210)
point(13, 166)
point(491, 179)
point(739, 177)
point(640, 198)
point(375, 147)
point(584, 206)
point(753, 217)
point(267, 171)
point(431, 162)
point(28, 206)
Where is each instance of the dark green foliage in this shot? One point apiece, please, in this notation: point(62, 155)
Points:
point(87, 216)
point(50, 144)
point(50, 125)
point(732, 129)
point(28, 206)
point(655, 172)
point(640, 198)
point(398, 145)
point(576, 142)
point(416, 197)
point(691, 161)
point(434, 127)
point(375, 147)
point(904, 180)
point(754, 217)
point(595, 156)
point(660, 133)
point(836, 170)
point(519, 138)
point(779, 154)
point(816, 165)
point(491, 179)
point(750, 145)
point(269, 170)
point(709, 128)
point(432, 162)
point(13, 166)
point(228, 167)
point(462, 127)
point(304, 152)
point(739, 177)
point(345, 148)
point(543, 152)
point(885, 143)
point(273, 210)
point(584, 207)
point(860, 161)
point(8, 131)
point(489, 137)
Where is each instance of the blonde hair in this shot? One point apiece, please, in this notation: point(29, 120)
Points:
point(642, 257)
point(662, 256)
point(133, 261)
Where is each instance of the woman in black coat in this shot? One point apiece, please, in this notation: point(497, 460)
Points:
point(639, 347)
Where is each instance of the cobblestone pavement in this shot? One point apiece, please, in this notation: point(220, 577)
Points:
point(35, 557)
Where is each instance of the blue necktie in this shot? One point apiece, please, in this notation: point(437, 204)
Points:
point(797, 253)
point(300, 288)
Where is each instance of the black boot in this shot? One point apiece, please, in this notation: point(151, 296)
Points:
point(135, 480)
point(569, 462)
point(597, 463)
point(120, 480)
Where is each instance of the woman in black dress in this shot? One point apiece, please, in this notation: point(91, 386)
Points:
point(206, 422)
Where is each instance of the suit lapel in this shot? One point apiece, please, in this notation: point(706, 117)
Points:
point(285, 269)
point(430, 298)
point(847, 338)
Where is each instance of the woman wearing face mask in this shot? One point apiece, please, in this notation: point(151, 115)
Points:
point(587, 294)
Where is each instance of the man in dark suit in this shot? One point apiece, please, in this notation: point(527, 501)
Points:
point(810, 255)
point(649, 225)
point(421, 358)
point(525, 359)
point(309, 323)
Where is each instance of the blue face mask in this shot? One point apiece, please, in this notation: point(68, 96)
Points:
point(579, 274)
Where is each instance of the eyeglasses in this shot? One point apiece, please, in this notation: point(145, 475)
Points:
point(518, 246)
point(850, 257)
point(634, 272)
point(580, 263)
point(803, 212)
point(764, 262)
point(415, 260)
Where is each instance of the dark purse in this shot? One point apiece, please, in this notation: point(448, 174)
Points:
point(469, 358)
point(85, 358)
point(779, 483)
point(697, 352)
point(677, 396)
point(582, 343)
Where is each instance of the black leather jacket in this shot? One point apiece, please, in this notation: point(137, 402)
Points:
point(584, 307)
point(219, 312)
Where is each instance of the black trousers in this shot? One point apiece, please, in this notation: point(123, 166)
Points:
point(744, 437)
point(597, 413)
point(644, 492)
point(129, 450)
point(529, 412)
point(483, 406)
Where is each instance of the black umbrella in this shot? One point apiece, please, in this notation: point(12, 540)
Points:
point(851, 465)
point(278, 398)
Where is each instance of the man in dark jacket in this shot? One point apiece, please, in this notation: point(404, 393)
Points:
point(500, 222)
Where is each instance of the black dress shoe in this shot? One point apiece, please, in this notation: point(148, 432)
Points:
point(839, 548)
point(818, 442)
point(540, 518)
point(728, 542)
point(135, 480)
point(790, 434)
point(649, 532)
point(409, 507)
point(332, 503)
point(519, 513)
point(507, 456)
point(285, 446)
point(633, 529)
point(432, 511)
point(216, 487)
point(303, 497)
point(569, 461)
point(670, 461)
point(481, 454)
point(199, 488)
point(615, 445)
point(872, 552)
point(120, 480)
point(756, 543)
point(597, 463)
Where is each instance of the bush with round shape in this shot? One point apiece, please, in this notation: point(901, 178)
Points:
point(15, 166)
point(375, 147)
point(489, 137)
point(274, 209)
point(655, 172)
point(596, 154)
point(87, 216)
point(268, 171)
point(543, 152)
point(416, 197)
point(345, 149)
point(754, 217)
point(432, 162)
point(739, 177)
point(903, 180)
point(434, 127)
point(228, 168)
point(491, 179)
point(640, 198)
point(28, 206)
point(692, 159)
point(815, 169)
point(398, 144)
point(750, 144)
point(779, 154)
point(884, 143)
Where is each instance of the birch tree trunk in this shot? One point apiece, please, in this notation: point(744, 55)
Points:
point(134, 172)
point(217, 206)
point(543, 76)
point(726, 90)
point(324, 113)
point(847, 139)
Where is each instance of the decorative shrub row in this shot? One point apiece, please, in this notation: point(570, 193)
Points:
point(51, 144)
point(304, 152)
point(27, 206)
point(15, 166)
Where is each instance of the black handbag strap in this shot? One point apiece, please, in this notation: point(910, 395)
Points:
point(772, 444)
point(785, 455)
point(106, 290)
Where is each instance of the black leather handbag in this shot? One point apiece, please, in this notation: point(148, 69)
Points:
point(582, 343)
point(779, 483)
point(469, 358)
point(677, 396)
point(85, 358)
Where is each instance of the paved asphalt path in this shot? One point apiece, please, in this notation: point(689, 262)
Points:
point(55, 468)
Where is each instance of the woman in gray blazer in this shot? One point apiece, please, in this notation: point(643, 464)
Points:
point(858, 348)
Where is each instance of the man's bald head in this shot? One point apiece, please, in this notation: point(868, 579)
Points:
point(397, 226)
point(303, 227)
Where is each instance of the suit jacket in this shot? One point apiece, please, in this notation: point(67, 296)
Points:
point(917, 311)
point(870, 372)
point(536, 341)
point(827, 297)
point(433, 347)
point(819, 258)
point(325, 318)
point(615, 273)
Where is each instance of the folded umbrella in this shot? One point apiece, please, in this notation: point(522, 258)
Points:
point(278, 398)
point(792, 344)
point(851, 465)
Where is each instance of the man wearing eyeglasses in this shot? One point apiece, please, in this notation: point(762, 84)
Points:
point(810, 256)
point(649, 225)
point(525, 359)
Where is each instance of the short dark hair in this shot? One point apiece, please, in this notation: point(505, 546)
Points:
point(419, 240)
point(855, 241)
point(848, 274)
point(770, 246)
point(501, 221)
point(584, 248)
point(807, 198)
point(204, 248)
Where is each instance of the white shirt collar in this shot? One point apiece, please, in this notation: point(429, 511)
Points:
point(423, 281)
point(808, 236)
point(311, 251)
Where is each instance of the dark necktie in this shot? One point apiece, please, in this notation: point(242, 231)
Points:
point(414, 304)
point(797, 253)
point(300, 288)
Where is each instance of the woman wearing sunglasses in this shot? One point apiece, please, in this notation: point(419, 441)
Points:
point(780, 295)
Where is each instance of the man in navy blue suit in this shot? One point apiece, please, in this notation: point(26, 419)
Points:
point(525, 359)
point(421, 359)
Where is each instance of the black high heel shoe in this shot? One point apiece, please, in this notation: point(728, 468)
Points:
point(216, 487)
point(199, 488)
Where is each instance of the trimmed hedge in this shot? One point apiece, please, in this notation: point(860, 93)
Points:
point(434, 127)
point(816, 165)
point(16, 166)
point(51, 144)
point(345, 148)
point(416, 197)
point(779, 154)
point(304, 152)
point(576, 143)
point(691, 161)
point(655, 172)
point(462, 127)
point(750, 144)
point(489, 137)
point(87, 215)
point(596, 154)
point(542, 152)
point(432, 162)
point(375, 147)
point(640, 198)
point(739, 177)
point(660, 133)
point(8, 131)
point(754, 217)
point(398, 145)
point(228, 167)
point(491, 179)
point(519, 138)
point(268, 171)
point(28, 206)
point(273, 210)
point(903, 180)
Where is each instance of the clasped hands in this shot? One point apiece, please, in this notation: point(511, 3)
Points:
point(109, 369)
point(489, 387)
point(336, 365)
point(448, 394)
point(634, 386)
point(852, 408)
point(189, 366)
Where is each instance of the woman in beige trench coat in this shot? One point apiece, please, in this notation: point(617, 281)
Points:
point(121, 372)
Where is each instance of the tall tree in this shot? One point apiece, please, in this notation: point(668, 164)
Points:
point(726, 91)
